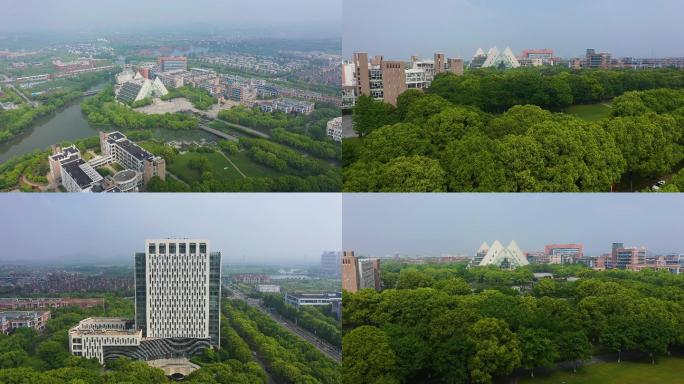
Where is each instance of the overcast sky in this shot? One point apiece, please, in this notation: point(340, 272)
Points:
point(91, 14)
point(436, 224)
point(254, 228)
point(400, 28)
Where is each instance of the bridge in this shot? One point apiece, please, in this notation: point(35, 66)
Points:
point(90, 93)
point(218, 133)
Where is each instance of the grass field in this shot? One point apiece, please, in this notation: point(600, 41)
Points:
point(219, 167)
point(665, 371)
point(590, 112)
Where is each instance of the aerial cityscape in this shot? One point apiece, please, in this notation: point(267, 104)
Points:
point(565, 301)
point(211, 108)
point(216, 309)
point(559, 109)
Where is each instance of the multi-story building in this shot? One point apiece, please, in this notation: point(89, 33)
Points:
point(563, 253)
point(117, 147)
point(331, 264)
point(597, 59)
point(242, 93)
point(172, 63)
point(334, 129)
point(251, 278)
point(11, 320)
point(359, 273)
point(312, 299)
point(76, 175)
point(626, 257)
point(537, 57)
point(287, 106)
point(177, 294)
point(268, 288)
point(14, 303)
point(92, 335)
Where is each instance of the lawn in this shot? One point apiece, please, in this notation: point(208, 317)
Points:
point(590, 112)
point(218, 165)
point(665, 371)
point(250, 168)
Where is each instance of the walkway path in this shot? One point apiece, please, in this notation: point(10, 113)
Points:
point(176, 178)
point(233, 164)
point(41, 187)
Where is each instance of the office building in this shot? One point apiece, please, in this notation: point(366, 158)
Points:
point(597, 59)
point(563, 253)
point(68, 168)
point(178, 283)
point(331, 264)
point(510, 257)
point(627, 257)
point(172, 63)
point(312, 299)
point(360, 273)
point(268, 288)
point(11, 320)
point(177, 307)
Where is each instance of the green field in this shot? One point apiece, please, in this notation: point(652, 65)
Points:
point(665, 371)
point(590, 112)
point(219, 167)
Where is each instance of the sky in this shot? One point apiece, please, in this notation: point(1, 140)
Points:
point(61, 15)
point(110, 228)
point(456, 224)
point(458, 27)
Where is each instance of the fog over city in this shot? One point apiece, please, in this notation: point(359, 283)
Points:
point(459, 27)
point(456, 224)
point(246, 228)
point(127, 15)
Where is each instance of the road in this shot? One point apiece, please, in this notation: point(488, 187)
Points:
point(218, 133)
point(319, 344)
point(33, 104)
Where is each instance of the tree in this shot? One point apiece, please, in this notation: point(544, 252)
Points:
point(52, 353)
point(391, 141)
point(471, 165)
point(497, 350)
point(537, 348)
point(370, 114)
point(451, 125)
point(517, 120)
point(405, 100)
point(412, 174)
point(412, 279)
point(367, 357)
point(573, 346)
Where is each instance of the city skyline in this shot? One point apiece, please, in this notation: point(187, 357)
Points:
point(460, 27)
point(435, 225)
point(83, 15)
point(246, 228)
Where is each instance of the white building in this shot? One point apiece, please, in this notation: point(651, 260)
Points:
point(268, 288)
point(68, 168)
point(312, 299)
point(178, 289)
point(334, 129)
point(134, 87)
point(90, 336)
point(116, 147)
point(510, 257)
point(494, 59)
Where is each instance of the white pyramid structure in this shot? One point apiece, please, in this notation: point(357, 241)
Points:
point(507, 59)
point(492, 55)
point(509, 257)
point(479, 52)
point(484, 248)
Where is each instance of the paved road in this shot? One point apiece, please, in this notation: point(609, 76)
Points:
point(30, 102)
point(218, 133)
point(320, 344)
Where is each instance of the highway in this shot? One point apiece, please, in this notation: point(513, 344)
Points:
point(320, 344)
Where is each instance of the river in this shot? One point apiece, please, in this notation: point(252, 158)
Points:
point(69, 124)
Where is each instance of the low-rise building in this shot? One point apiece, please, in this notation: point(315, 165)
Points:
point(68, 168)
point(312, 299)
point(288, 106)
point(11, 320)
point(14, 303)
point(93, 335)
point(268, 288)
point(334, 129)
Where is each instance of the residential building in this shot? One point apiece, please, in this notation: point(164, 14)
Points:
point(298, 300)
point(563, 253)
point(172, 63)
point(331, 264)
point(287, 106)
point(334, 129)
point(510, 257)
point(11, 320)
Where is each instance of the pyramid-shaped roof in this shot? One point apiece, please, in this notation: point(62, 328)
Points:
point(483, 248)
point(511, 255)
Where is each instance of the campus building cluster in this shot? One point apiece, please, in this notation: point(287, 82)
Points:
point(360, 273)
point(510, 257)
point(177, 307)
point(11, 320)
point(385, 80)
point(287, 105)
point(68, 168)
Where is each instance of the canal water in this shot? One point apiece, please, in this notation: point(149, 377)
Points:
point(69, 124)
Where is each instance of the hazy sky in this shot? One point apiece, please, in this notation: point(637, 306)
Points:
point(90, 14)
point(400, 28)
point(436, 224)
point(278, 228)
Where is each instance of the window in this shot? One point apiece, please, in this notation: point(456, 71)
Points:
point(172, 248)
point(182, 247)
point(193, 248)
point(203, 247)
point(152, 249)
point(162, 248)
